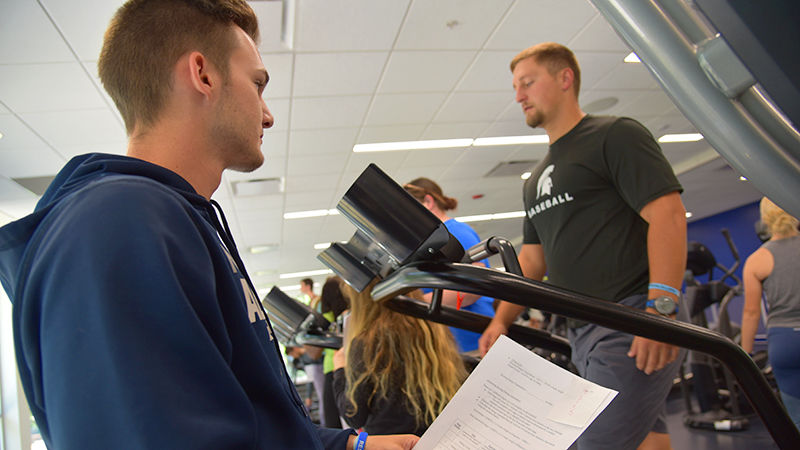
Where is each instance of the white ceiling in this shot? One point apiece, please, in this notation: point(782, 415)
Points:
point(359, 71)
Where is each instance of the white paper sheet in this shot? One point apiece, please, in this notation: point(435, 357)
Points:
point(515, 399)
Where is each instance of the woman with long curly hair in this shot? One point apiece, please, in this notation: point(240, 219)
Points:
point(396, 372)
point(774, 271)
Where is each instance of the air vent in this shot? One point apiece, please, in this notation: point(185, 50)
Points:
point(262, 186)
point(37, 185)
point(512, 168)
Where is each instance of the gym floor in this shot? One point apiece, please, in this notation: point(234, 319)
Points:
point(685, 438)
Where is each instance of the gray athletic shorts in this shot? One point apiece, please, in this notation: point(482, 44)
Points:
point(601, 356)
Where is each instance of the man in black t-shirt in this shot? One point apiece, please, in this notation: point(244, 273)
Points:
point(605, 219)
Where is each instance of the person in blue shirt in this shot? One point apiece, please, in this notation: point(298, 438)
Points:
point(135, 323)
point(430, 194)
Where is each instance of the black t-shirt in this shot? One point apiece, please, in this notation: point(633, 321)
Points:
point(583, 202)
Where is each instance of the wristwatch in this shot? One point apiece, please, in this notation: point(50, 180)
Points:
point(666, 306)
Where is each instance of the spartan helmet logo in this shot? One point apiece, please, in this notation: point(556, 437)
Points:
point(545, 183)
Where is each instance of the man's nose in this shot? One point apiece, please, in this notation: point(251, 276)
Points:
point(267, 121)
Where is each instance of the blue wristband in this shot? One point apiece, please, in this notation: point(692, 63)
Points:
point(664, 288)
point(361, 441)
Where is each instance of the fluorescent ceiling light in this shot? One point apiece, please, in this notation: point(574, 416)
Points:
point(312, 213)
point(632, 58)
point(322, 245)
point(496, 216)
point(688, 214)
point(525, 175)
point(308, 273)
point(411, 145)
point(742, 178)
point(512, 140)
point(294, 287)
point(688, 137)
point(1, 135)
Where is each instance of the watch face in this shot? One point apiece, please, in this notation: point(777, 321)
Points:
point(664, 305)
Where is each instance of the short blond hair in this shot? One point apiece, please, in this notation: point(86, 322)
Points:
point(555, 57)
point(776, 219)
point(147, 37)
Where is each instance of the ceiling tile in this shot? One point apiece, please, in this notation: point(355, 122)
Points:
point(378, 19)
point(454, 130)
point(472, 107)
point(489, 72)
point(84, 31)
point(387, 161)
point(511, 128)
point(627, 76)
point(30, 162)
point(561, 22)
point(280, 112)
point(450, 24)
point(280, 69)
point(306, 183)
point(390, 133)
point(431, 158)
point(315, 165)
point(273, 144)
point(424, 71)
point(310, 201)
point(649, 103)
point(598, 35)
point(27, 88)
point(595, 66)
point(318, 74)
point(388, 109)
point(87, 126)
point(16, 134)
point(28, 36)
point(328, 112)
point(17, 209)
point(331, 141)
point(270, 16)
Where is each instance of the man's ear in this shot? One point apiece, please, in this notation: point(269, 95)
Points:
point(565, 78)
point(202, 77)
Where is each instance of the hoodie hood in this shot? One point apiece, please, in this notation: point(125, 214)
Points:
point(78, 173)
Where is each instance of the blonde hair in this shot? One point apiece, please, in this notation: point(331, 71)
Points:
point(554, 57)
point(777, 221)
point(419, 356)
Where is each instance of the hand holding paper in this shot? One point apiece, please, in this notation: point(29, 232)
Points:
point(516, 399)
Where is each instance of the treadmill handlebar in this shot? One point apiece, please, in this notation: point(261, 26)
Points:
point(534, 294)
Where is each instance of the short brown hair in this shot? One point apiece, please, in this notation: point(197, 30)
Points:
point(146, 37)
point(422, 186)
point(553, 56)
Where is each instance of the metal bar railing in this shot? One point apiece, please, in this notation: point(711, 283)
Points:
point(526, 292)
point(766, 154)
point(471, 321)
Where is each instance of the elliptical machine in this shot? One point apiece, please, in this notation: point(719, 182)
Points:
point(717, 393)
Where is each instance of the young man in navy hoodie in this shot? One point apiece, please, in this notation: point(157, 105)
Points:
point(136, 325)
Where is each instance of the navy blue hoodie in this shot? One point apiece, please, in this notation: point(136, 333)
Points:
point(135, 323)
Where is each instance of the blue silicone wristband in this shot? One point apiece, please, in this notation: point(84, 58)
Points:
point(361, 441)
point(664, 288)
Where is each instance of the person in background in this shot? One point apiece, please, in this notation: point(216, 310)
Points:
point(333, 305)
point(604, 219)
point(315, 355)
point(430, 194)
point(135, 323)
point(774, 272)
point(307, 289)
point(395, 373)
